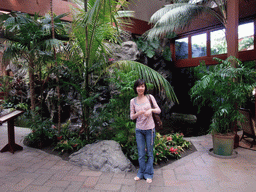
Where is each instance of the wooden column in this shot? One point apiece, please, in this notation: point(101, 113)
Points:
point(232, 42)
point(172, 48)
point(232, 27)
point(208, 44)
point(189, 47)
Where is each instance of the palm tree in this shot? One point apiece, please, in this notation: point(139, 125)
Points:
point(27, 36)
point(92, 29)
point(181, 13)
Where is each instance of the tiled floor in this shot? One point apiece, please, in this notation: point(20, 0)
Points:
point(34, 170)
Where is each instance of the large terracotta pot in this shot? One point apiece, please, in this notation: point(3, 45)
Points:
point(223, 144)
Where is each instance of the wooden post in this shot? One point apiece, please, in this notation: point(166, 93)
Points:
point(232, 42)
point(232, 27)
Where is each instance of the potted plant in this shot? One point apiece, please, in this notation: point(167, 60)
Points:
point(224, 87)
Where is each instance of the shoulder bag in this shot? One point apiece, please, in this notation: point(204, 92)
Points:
point(156, 117)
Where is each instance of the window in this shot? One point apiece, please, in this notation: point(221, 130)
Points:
point(246, 37)
point(198, 45)
point(213, 43)
point(181, 48)
point(218, 42)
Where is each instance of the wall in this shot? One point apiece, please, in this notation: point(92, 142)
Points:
point(37, 6)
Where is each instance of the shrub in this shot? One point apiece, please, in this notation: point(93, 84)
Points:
point(69, 140)
point(169, 147)
point(42, 133)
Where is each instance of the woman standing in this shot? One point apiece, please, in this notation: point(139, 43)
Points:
point(140, 109)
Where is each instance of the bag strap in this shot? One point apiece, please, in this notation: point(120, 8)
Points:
point(152, 106)
point(149, 98)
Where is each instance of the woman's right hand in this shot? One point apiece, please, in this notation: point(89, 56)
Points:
point(141, 112)
point(136, 115)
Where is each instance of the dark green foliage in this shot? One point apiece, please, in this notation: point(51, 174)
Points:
point(69, 140)
point(225, 89)
point(113, 121)
point(42, 134)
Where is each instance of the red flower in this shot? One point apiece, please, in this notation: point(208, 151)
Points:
point(173, 150)
point(169, 138)
point(157, 154)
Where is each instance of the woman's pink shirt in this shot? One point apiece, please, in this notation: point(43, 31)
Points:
point(143, 122)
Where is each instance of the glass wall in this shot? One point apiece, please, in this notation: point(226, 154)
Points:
point(218, 42)
point(246, 37)
point(181, 48)
point(198, 45)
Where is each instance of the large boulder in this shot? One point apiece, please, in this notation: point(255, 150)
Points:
point(105, 156)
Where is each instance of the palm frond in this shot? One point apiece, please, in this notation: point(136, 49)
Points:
point(163, 87)
point(161, 12)
point(50, 43)
point(178, 16)
point(185, 13)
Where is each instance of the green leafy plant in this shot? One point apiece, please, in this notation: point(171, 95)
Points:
point(169, 147)
point(225, 88)
point(5, 87)
point(22, 106)
point(109, 125)
point(28, 36)
point(42, 133)
point(68, 140)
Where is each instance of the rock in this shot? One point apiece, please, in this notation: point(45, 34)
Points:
point(127, 51)
point(184, 117)
point(105, 156)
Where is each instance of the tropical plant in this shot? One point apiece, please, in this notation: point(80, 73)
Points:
point(5, 82)
point(169, 147)
point(180, 13)
point(68, 140)
point(42, 133)
point(27, 37)
point(225, 89)
point(92, 29)
point(107, 124)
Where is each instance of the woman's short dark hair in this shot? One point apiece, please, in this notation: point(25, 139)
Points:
point(138, 83)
